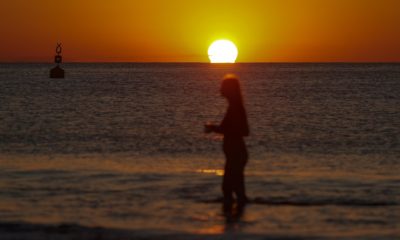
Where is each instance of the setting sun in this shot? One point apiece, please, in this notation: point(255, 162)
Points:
point(222, 51)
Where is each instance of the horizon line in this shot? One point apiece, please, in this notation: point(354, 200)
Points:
point(192, 62)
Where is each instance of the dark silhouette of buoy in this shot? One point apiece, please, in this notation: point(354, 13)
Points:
point(57, 72)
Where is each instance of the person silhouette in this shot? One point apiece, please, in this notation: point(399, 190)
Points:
point(234, 127)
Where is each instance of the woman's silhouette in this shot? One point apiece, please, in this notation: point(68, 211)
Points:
point(234, 127)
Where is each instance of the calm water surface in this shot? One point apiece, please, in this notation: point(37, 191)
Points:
point(121, 146)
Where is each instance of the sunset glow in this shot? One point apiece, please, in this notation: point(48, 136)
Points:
point(181, 31)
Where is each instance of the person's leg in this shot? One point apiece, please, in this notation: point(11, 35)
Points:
point(241, 191)
point(227, 183)
point(239, 188)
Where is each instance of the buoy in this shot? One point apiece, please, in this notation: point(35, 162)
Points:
point(57, 72)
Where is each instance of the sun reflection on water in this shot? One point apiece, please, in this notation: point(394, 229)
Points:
point(212, 230)
point(218, 172)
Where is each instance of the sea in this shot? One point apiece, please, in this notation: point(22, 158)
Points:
point(118, 151)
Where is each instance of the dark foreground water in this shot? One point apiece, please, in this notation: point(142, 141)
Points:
point(117, 151)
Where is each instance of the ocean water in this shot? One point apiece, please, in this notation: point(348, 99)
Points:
point(117, 151)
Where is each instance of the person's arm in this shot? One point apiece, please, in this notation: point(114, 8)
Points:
point(221, 128)
point(217, 129)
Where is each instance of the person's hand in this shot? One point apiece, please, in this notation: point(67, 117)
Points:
point(208, 128)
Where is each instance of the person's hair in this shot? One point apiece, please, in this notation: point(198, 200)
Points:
point(230, 88)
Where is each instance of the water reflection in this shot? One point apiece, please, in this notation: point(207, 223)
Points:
point(229, 221)
point(233, 214)
point(218, 172)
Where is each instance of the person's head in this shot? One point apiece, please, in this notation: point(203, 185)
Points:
point(230, 88)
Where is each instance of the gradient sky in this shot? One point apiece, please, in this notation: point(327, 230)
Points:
point(182, 30)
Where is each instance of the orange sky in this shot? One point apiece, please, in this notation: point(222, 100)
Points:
point(182, 30)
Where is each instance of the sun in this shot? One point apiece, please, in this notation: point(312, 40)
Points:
point(222, 51)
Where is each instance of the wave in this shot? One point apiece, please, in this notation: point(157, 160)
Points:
point(34, 231)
